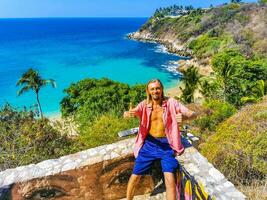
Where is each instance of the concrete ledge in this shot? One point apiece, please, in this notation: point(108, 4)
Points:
point(198, 166)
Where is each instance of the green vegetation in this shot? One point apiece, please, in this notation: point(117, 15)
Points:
point(257, 91)
point(238, 75)
point(210, 43)
point(31, 80)
point(90, 98)
point(208, 31)
point(104, 129)
point(191, 80)
point(238, 80)
point(174, 10)
point(95, 105)
point(97, 108)
point(239, 146)
point(235, 141)
point(25, 140)
point(217, 112)
point(183, 27)
point(210, 88)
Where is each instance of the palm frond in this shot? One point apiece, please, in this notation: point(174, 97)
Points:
point(52, 82)
point(23, 90)
point(258, 88)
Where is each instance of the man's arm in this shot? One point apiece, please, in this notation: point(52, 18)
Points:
point(130, 113)
point(185, 116)
point(191, 114)
point(134, 112)
point(183, 113)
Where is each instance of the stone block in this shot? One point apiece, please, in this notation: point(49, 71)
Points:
point(68, 166)
point(37, 172)
point(102, 152)
point(114, 155)
point(106, 157)
point(228, 184)
point(218, 176)
point(66, 161)
point(110, 147)
point(93, 160)
point(57, 169)
point(221, 197)
point(10, 178)
point(47, 164)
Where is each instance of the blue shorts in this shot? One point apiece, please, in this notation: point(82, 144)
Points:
point(155, 149)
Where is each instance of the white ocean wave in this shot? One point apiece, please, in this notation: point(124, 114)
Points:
point(161, 49)
point(172, 67)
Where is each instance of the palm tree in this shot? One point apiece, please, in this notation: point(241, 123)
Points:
point(226, 65)
point(206, 88)
point(31, 80)
point(210, 88)
point(258, 90)
point(191, 80)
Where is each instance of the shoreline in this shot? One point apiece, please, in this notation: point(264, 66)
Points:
point(55, 116)
point(176, 47)
point(174, 91)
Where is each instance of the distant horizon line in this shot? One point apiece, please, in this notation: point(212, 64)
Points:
point(63, 17)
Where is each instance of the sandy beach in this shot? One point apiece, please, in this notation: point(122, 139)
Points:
point(174, 91)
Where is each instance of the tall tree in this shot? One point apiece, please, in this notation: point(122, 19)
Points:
point(208, 88)
point(191, 80)
point(31, 80)
point(226, 64)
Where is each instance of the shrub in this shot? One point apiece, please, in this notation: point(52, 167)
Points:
point(238, 74)
point(239, 147)
point(104, 129)
point(207, 45)
point(90, 98)
point(24, 139)
point(218, 111)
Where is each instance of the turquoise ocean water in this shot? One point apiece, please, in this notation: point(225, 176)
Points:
point(70, 49)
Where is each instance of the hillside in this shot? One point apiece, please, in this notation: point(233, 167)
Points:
point(201, 33)
point(238, 147)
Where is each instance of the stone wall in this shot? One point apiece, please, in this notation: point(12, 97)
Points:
point(102, 173)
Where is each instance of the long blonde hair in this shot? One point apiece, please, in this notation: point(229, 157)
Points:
point(148, 96)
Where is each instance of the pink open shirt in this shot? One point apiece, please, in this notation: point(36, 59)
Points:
point(170, 108)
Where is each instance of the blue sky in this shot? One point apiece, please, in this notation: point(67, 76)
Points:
point(92, 8)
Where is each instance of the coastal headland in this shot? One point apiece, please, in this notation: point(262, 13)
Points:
point(175, 46)
point(179, 48)
point(199, 34)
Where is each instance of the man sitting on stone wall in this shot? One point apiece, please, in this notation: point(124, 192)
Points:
point(158, 138)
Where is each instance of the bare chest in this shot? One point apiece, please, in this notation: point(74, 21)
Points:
point(157, 114)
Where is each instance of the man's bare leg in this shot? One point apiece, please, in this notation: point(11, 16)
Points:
point(133, 182)
point(170, 186)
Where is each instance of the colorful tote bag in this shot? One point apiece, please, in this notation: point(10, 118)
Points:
point(188, 188)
